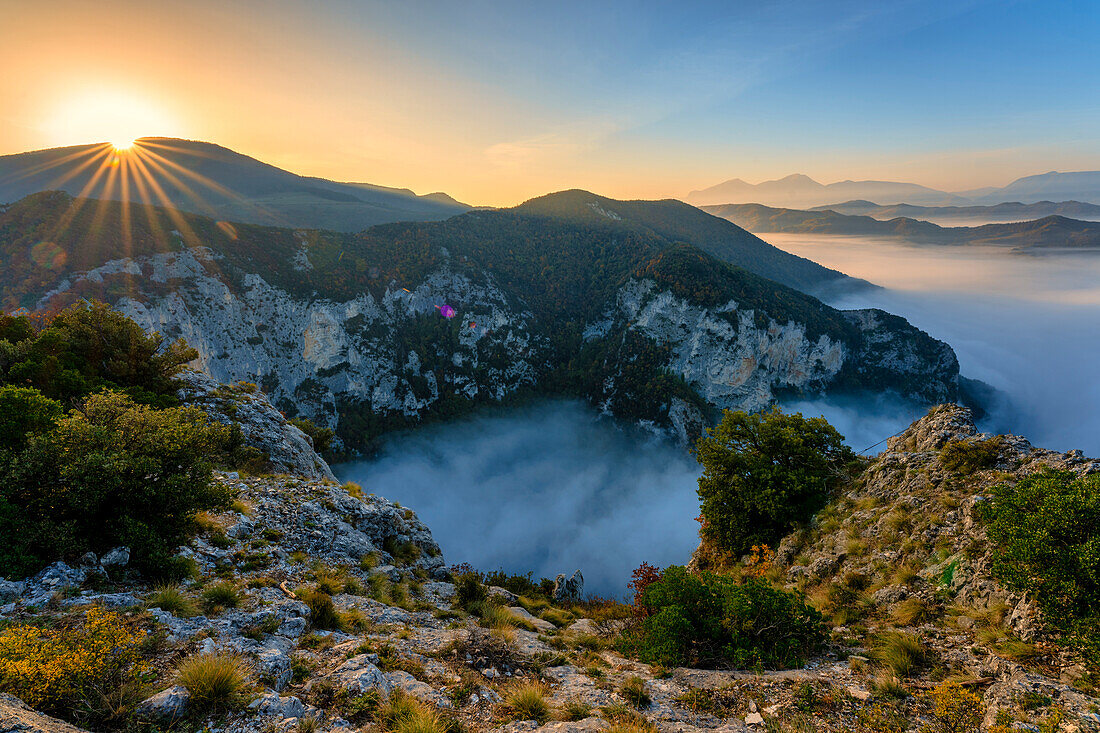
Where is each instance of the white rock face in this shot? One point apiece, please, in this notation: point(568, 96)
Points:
point(390, 355)
point(308, 353)
point(721, 351)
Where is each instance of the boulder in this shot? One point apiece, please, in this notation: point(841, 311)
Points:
point(119, 556)
point(167, 704)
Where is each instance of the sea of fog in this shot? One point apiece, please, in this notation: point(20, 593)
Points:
point(554, 486)
point(1027, 325)
point(549, 488)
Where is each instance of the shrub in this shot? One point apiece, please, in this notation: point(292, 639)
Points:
point(90, 346)
point(528, 702)
point(635, 693)
point(216, 681)
point(173, 600)
point(469, 590)
point(1046, 533)
point(902, 653)
point(24, 412)
point(968, 456)
point(320, 437)
point(89, 669)
point(765, 473)
point(956, 709)
point(110, 473)
point(708, 619)
point(322, 611)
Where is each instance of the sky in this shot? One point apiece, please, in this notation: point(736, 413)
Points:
point(496, 102)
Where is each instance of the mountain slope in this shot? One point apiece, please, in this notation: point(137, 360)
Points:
point(1052, 186)
point(1047, 233)
point(799, 191)
point(999, 213)
point(676, 221)
point(347, 328)
point(214, 181)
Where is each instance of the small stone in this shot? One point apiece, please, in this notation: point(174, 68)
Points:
point(859, 693)
point(754, 719)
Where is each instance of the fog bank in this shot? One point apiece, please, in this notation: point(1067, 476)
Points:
point(549, 488)
point(1027, 325)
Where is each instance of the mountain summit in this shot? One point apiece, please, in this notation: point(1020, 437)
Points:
point(209, 179)
point(799, 191)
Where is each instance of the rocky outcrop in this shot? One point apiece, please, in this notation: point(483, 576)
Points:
point(263, 427)
point(569, 589)
point(17, 717)
point(384, 354)
point(313, 355)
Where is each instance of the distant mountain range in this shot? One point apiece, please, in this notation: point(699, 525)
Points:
point(1006, 212)
point(217, 182)
point(1049, 232)
point(802, 192)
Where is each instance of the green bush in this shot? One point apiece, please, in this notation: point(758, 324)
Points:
point(88, 347)
point(1046, 533)
point(110, 473)
point(765, 473)
point(321, 437)
point(968, 456)
point(711, 620)
point(24, 412)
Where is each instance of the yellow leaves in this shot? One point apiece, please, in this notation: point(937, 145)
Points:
point(956, 709)
point(48, 667)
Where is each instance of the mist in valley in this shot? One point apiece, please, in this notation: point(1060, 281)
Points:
point(548, 488)
point(554, 487)
point(1027, 325)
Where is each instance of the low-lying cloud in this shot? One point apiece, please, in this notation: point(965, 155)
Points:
point(554, 487)
point(549, 488)
point(1027, 325)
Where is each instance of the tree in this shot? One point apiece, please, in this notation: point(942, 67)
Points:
point(90, 346)
point(763, 474)
point(111, 472)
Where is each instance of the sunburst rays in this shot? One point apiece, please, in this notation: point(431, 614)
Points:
point(143, 174)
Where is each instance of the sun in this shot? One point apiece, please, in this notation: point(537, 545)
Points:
point(115, 117)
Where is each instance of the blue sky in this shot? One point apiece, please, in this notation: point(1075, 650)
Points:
point(497, 101)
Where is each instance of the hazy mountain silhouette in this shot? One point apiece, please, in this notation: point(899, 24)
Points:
point(1053, 186)
point(1047, 233)
point(214, 181)
point(801, 192)
point(1004, 212)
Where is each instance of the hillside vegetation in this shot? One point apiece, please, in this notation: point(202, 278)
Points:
point(551, 293)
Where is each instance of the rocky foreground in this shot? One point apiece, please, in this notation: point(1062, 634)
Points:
point(900, 552)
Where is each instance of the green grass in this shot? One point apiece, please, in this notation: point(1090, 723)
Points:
point(903, 654)
point(220, 595)
point(215, 681)
point(575, 710)
point(172, 599)
point(322, 611)
point(635, 693)
point(528, 702)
